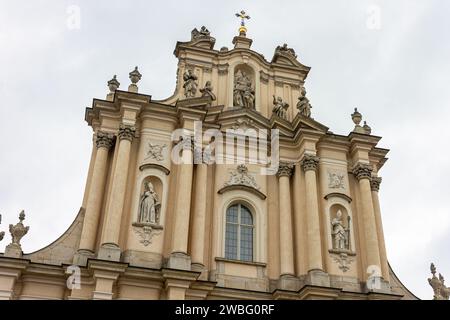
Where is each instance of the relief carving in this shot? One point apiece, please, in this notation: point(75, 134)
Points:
point(155, 151)
point(240, 176)
point(336, 180)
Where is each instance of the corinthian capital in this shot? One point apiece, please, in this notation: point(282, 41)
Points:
point(362, 171)
point(375, 183)
point(285, 169)
point(104, 140)
point(309, 162)
point(126, 132)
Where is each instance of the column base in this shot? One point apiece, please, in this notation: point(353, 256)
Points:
point(377, 285)
point(81, 257)
point(288, 282)
point(179, 261)
point(109, 251)
point(13, 251)
point(318, 278)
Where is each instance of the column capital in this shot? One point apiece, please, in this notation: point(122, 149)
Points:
point(309, 162)
point(104, 140)
point(285, 169)
point(126, 132)
point(375, 184)
point(362, 171)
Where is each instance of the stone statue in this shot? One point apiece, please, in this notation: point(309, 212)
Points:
point(441, 292)
point(243, 93)
point(149, 205)
point(207, 91)
point(445, 292)
point(195, 34)
point(285, 49)
point(303, 105)
point(190, 84)
point(280, 108)
point(340, 233)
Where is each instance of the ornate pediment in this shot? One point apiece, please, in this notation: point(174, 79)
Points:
point(241, 179)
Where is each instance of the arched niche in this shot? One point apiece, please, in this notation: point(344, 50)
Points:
point(244, 86)
point(339, 206)
point(157, 185)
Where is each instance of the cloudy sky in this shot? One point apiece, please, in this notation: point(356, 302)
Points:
point(389, 58)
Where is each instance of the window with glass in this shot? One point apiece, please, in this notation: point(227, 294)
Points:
point(239, 233)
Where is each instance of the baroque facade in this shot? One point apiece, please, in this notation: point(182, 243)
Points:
point(151, 228)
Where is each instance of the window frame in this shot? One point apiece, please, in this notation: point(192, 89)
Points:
point(239, 225)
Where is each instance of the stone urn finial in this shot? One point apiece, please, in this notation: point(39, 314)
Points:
point(367, 128)
point(135, 76)
point(356, 117)
point(18, 231)
point(113, 84)
point(2, 234)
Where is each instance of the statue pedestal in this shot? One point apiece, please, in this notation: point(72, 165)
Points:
point(13, 251)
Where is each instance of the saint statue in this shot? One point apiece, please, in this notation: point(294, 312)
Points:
point(190, 84)
point(207, 91)
point(303, 105)
point(243, 93)
point(280, 108)
point(340, 233)
point(149, 205)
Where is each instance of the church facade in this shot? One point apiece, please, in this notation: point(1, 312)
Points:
point(228, 189)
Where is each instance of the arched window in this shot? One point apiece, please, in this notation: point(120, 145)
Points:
point(239, 233)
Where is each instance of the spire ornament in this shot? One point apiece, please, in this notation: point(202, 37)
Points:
point(243, 16)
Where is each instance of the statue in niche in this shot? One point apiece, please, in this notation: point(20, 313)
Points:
point(190, 84)
point(280, 108)
point(207, 91)
point(341, 234)
point(149, 205)
point(303, 105)
point(243, 93)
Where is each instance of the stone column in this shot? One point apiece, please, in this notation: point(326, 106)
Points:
point(110, 239)
point(199, 218)
point(363, 173)
point(309, 164)
point(375, 187)
point(104, 142)
point(179, 259)
point(284, 173)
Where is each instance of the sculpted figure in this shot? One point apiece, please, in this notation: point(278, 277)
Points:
point(303, 105)
point(190, 84)
point(280, 108)
point(340, 233)
point(149, 205)
point(243, 93)
point(207, 91)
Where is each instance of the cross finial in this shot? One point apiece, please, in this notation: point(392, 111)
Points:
point(243, 16)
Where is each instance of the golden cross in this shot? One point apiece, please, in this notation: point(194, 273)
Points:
point(243, 16)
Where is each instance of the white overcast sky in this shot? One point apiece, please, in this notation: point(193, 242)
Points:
point(398, 75)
